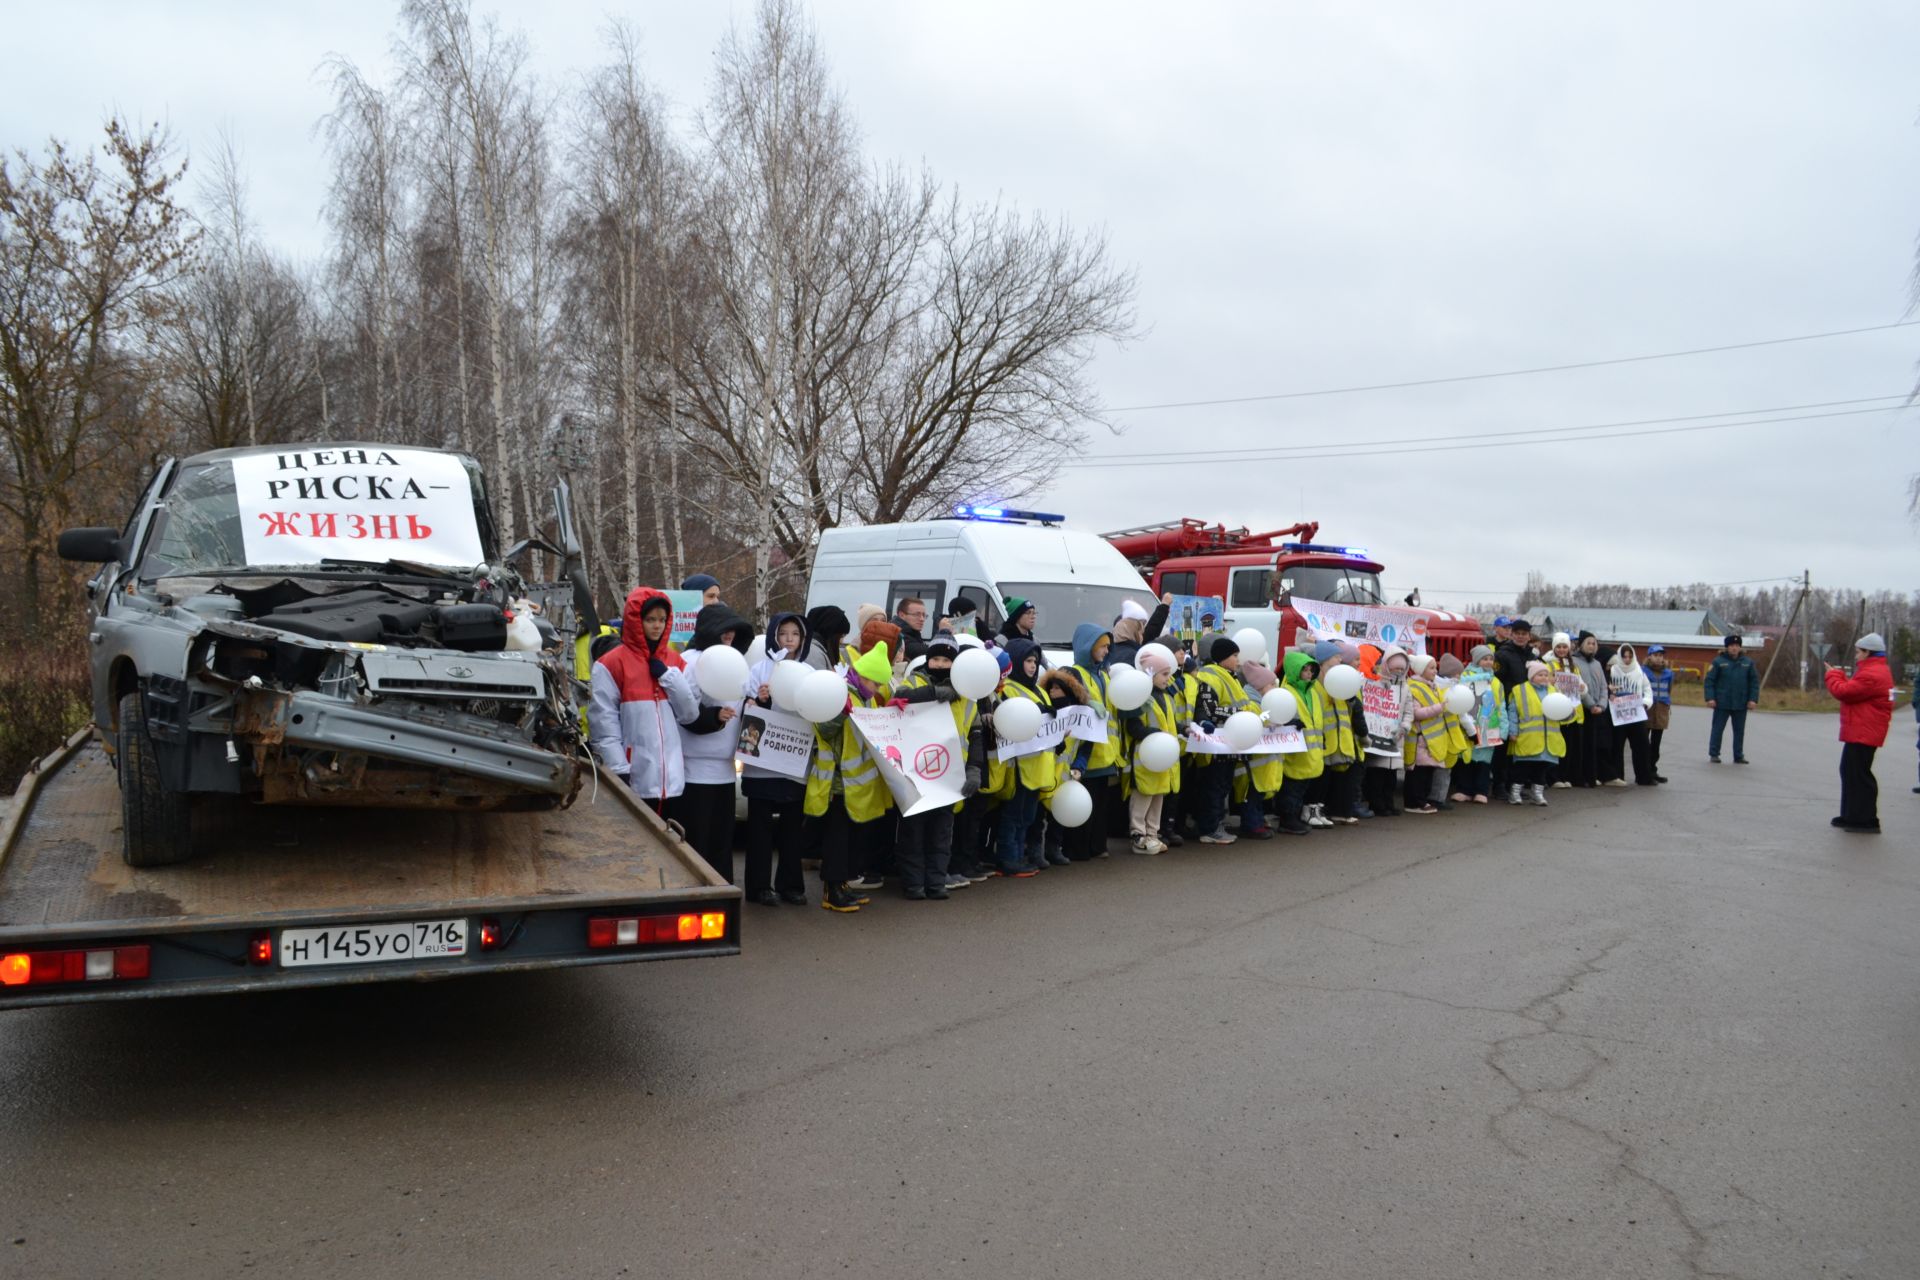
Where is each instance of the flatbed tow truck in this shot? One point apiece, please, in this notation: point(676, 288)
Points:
point(297, 897)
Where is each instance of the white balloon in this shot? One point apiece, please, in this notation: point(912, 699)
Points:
point(1253, 645)
point(1460, 699)
point(1242, 731)
point(1280, 705)
point(975, 673)
point(1017, 719)
point(1154, 657)
point(822, 696)
point(1557, 706)
point(1344, 682)
point(1128, 687)
point(1071, 805)
point(756, 650)
point(722, 673)
point(967, 641)
point(1159, 752)
point(785, 682)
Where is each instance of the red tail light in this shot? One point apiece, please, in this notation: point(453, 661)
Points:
point(489, 934)
point(630, 931)
point(260, 948)
point(102, 964)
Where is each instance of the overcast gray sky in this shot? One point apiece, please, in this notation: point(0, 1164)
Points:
point(1322, 195)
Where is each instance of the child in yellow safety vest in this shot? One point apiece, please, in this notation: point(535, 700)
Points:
point(1032, 777)
point(1534, 743)
point(1435, 742)
point(844, 787)
point(1152, 787)
point(1301, 770)
point(1333, 798)
point(924, 842)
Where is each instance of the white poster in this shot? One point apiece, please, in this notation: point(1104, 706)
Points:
point(1364, 624)
point(1276, 741)
point(1083, 723)
point(775, 740)
point(302, 506)
point(1383, 701)
point(1627, 708)
point(919, 752)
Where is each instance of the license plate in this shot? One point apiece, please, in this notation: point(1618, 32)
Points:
point(373, 943)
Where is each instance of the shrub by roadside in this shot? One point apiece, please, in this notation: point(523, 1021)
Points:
point(44, 693)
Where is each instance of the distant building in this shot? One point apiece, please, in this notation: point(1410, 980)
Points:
point(1691, 637)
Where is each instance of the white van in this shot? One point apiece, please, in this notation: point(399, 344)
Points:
point(989, 557)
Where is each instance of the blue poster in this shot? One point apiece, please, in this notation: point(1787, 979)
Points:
point(1191, 616)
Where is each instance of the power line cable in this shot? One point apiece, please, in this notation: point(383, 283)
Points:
point(1516, 373)
point(1268, 449)
point(1195, 459)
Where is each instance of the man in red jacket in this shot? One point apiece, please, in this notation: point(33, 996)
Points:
point(1866, 711)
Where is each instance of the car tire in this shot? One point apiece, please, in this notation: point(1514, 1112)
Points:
point(156, 824)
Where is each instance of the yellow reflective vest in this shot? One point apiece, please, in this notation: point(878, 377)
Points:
point(1557, 665)
point(1042, 770)
point(1314, 713)
point(1531, 733)
point(1336, 728)
point(1445, 738)
point(1162, 716)
point(1100, 755)
point(865, 790)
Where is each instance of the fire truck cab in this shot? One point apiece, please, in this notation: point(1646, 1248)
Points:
point(1256, 577)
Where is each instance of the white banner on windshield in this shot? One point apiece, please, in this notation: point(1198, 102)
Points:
point(1380, 625)
point(302, 506)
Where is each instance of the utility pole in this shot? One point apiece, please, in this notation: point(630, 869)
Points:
point(1806, 583)
point(1806, 586)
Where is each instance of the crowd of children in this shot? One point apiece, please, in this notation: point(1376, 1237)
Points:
point(674, 744)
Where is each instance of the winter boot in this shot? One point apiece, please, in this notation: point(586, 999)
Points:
point(1513, 794)
point(1538, 796)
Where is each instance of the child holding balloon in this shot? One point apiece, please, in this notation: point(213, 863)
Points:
point(1535, 745)
point(1155, 734)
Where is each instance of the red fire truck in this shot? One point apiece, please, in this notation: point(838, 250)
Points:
point(1256, 576)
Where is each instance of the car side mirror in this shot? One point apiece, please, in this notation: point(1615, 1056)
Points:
point(92, 546)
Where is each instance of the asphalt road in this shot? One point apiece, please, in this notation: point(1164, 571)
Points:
point(1639, 1033)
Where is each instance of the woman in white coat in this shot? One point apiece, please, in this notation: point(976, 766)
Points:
point(1627, 680)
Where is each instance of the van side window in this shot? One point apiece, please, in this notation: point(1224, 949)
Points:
point(985, 609)
point(1252, 588)
point(930, 590)
point(1180, 584)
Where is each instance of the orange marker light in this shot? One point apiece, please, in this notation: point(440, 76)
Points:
point(15, 970)
point(713, 925)
point(689, 928)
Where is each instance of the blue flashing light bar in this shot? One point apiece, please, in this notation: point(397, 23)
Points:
point(1314, 548)
point(967, 512)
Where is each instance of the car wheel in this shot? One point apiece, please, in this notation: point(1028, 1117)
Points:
point(157, 824)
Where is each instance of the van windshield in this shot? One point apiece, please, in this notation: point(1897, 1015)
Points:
point(1062, 606)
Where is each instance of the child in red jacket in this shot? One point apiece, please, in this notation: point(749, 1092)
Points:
point(1866, 712)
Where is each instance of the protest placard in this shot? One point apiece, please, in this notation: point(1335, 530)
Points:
point(686, 607)
point(1275, 741)
point(776, 741)
point(1485, 711)
point(303, 506)
point(1626, 708)
point(1189, 616)
point(1083, 723)
point(1570, 683)
point(1381, 700)
point(1364, 624)
point(919, 752)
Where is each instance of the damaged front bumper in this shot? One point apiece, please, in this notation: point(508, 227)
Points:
point(310, 721)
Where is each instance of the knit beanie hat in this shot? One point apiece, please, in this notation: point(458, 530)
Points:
point(1535, 669)
point(1222, 649)
point(1872, 642)
point(1450, 666)
point(1562, 638)
point(1325, 650)
point(960, 607)
point(1005, 660)
point(875, 665)
point(699, 582)
point(829, 622)
point(1481, 651)
point(864, 614)
point(1132, 609)
point(1257, 676)
point(879, 631)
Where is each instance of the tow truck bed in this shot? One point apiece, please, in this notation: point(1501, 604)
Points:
point(315, 896)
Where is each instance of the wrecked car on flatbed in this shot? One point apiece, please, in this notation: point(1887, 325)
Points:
point(322, 625)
